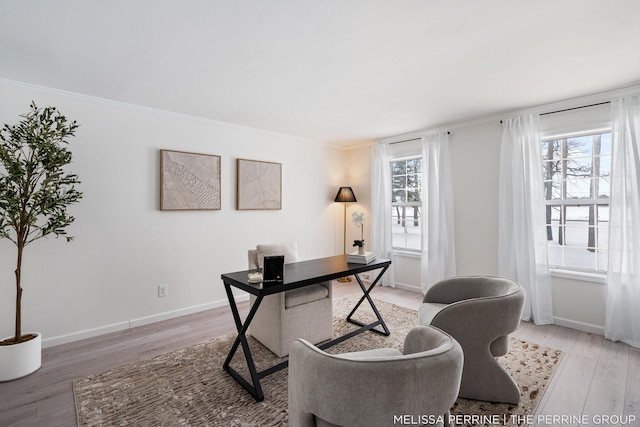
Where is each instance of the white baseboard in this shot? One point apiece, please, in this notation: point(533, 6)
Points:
point(411, 288)
point(87, 333)
point(140, 321)
point(580, 326)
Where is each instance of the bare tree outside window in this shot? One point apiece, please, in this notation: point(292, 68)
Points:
point(594, 192)
point(576, 174)
point(406, 203)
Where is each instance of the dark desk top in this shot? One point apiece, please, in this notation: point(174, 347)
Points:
point(303, 273)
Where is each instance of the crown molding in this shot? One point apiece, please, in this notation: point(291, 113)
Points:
point(543, 108)
point(135, 107)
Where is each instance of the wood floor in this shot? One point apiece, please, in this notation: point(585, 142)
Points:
point(596, 377)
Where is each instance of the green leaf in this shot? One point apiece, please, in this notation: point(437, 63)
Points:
point(35, 187)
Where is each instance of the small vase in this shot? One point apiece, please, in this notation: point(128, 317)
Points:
point(361, 250)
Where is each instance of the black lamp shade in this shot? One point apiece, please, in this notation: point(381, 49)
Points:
point(345, 194)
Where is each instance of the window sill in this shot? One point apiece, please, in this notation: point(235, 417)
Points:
point(579, 275)
point(407, 254)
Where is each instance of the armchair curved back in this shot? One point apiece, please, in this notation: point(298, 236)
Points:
point(492, 305)
point(369, 388)
point(456, 289)
point(255, 257)
point(480, 313)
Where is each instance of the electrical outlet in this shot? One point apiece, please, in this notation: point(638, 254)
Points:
point(366, 276)
point(163, 290)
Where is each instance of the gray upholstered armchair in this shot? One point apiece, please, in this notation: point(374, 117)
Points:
point(480, 313)
point(300, 313)
point(368, 388)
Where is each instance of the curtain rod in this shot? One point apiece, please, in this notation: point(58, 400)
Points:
point(573, 108)
point(576, 108)
point(409, 140)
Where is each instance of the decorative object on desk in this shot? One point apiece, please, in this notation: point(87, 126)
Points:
point(358, 219)
point(196, 380)
point(36, 191)
point(345, 195)
point(273, 270)
point(358, 258)
point(259, 185)
point(255, 277)
point(189, 181)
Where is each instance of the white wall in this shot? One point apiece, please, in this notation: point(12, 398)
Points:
point(475, 182)
point(475, 151)
point(125, 247)
point(475, 159)
point(358, 165)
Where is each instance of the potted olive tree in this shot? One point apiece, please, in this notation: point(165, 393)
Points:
point(35, 192)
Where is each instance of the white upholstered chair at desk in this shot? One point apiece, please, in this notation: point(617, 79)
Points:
point(300, 313)
point(368, 388)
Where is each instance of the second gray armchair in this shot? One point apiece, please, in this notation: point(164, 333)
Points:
point(480, 313)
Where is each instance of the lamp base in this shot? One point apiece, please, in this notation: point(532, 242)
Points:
point(344, 279)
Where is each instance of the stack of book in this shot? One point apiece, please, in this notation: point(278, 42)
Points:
point(366, 258)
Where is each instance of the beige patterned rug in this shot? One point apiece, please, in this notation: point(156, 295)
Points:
point(188, 387)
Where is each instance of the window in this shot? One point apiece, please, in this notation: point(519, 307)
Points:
point(576, 173)
point(406, 183)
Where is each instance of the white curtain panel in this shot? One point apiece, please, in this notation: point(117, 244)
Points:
point(522, 241)
point(622, 321)
point(381, 208)
point(438, 248)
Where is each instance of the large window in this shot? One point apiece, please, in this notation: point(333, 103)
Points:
point(406, 205)
point(576, 174)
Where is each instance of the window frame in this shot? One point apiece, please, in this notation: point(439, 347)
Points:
point(591, 274)
point(404, 249)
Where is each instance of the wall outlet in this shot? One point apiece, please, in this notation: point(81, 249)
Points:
point(163, 290)
point(366, 276)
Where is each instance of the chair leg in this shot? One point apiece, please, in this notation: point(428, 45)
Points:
point(483, 378)
point(446, 416)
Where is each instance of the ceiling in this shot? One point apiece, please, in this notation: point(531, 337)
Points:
point(341, 71)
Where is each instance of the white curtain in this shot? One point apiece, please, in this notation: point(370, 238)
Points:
point(522, 242)
point(381, 234)
point(622, 320)
point(438, 249)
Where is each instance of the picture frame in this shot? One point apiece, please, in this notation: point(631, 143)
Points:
point(189, 181)
point(259, 185)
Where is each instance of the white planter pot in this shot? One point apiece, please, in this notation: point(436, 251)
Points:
point(19, 360)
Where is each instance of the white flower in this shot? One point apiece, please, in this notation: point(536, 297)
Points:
point(358, 218)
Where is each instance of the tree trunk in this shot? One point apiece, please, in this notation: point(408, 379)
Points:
point(18, 331)
point(563, 185)
point(548, 188)
point(594, 190)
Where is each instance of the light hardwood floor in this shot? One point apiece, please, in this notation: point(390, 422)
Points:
point(596, 377)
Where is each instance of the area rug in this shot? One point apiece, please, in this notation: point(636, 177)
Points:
point(188, 387)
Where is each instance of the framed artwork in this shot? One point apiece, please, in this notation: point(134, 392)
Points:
point(259, 185)
point(189, 181)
